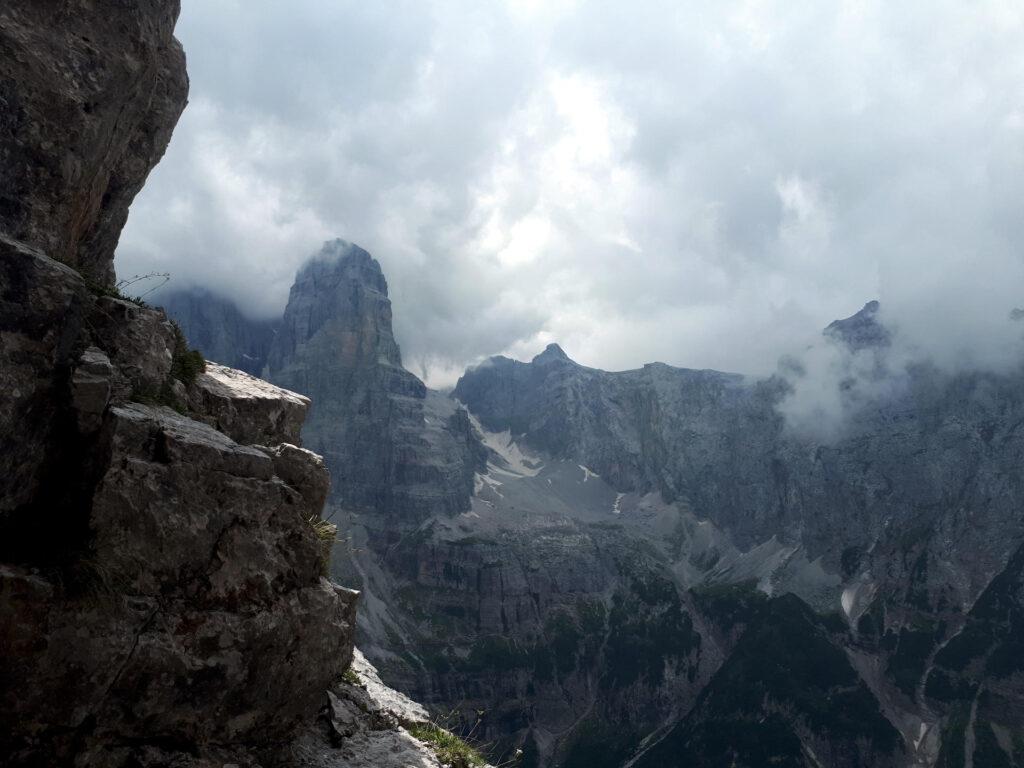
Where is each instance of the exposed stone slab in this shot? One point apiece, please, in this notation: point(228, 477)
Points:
point(199, 615)
point(248, 409)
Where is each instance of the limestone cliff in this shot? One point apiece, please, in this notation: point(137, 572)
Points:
point(90, 94)
point(621, 567)
point(392, 446)
point(501, 577)
point(162, 587)
point(900, 525)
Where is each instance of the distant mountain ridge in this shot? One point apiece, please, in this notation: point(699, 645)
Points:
point(609, 563)
point(215, 326)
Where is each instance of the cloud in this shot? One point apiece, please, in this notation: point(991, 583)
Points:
point(702, 184)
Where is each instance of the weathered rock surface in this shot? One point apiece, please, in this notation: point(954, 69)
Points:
point(215, 327)
point(197, 616)
point(246, 408)
point(90, 93)
point(161, 591)
point(42, 304)
point(91, 388)
point(214, 556)
point(140, 343)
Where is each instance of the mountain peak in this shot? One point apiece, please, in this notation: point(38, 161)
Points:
point(861, 330)
point(338, 313)
point(341, 259)
point(551, 352)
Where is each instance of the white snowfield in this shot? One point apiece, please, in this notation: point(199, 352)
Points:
point(515, 461)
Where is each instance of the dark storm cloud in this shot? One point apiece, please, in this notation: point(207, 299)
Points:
point(706, 184)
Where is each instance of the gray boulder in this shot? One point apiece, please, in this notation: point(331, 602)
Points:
point(248, 409)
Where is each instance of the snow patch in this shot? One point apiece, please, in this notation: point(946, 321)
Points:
point(846, 600)
point(618, 500)
point(920, 735)
point(482, 481)
point(517, 463)
point(588, 473)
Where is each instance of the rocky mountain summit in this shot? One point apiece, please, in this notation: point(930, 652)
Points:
point(392, 446)
point(632, 567)
point(163, 560)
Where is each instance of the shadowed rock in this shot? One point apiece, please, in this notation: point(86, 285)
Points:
point(87, 107)
point(161, 590)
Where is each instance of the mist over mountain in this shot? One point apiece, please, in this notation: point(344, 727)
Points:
point(678, 421)
point(630, 567)
point(706, 186)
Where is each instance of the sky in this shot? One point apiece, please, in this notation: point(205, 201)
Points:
point(703, 184)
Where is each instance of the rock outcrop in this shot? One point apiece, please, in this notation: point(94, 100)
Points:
point(861, 330)
point(162, 587)
point(195, 619)
point(247, 409)
point(365, 724)
point(171, 600)
point(90, 93)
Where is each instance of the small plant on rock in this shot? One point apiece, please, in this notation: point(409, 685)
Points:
point(326, 534)
point(186, 363)
point(350, 677)
point(449, 748)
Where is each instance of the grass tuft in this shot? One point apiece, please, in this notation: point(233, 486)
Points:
point(186, 363)
point(350, 677)
point(449, 748)
point(326, 534)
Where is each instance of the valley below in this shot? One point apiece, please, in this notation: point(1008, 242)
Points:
point(643, 567)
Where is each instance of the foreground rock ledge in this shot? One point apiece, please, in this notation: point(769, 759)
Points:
point(161, 586)
point(199, 617)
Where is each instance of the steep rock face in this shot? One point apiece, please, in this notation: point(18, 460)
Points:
point(901, 523)
point(976, 678)
point(391, 447)
point(42, 304)
point(161, 587)
point(215, 327)
point(88, 110)
point(183, 579)
point(199, 593)
point(918, 458)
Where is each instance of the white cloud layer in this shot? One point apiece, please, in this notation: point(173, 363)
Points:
point(706, 184)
